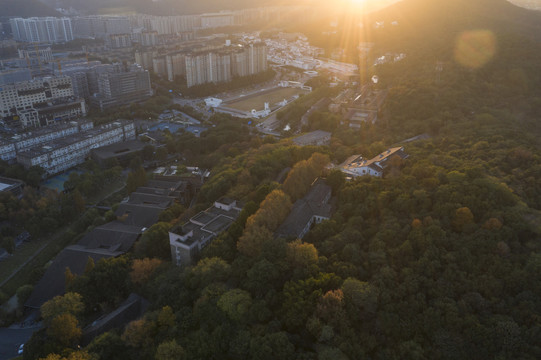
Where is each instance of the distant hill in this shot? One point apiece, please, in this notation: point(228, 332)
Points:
point(157, 7)
point(25, 8)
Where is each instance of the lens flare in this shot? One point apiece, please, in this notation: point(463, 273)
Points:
point(474, 49)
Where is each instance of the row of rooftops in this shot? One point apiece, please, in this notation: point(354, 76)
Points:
point(109, 240)
point(44, 131)
point(73, 139)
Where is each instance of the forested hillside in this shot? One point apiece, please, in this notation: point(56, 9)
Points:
point(439, 259)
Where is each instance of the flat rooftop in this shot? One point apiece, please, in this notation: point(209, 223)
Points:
point(218, 225)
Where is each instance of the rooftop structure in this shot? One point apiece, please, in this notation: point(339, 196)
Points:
point(131, 309)
point(122, 152)
point(357, 166)
point(318, 137)
point(13, 186)
point(310, 210)
point(188, 239)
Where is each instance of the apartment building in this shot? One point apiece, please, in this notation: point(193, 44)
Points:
point(9, 147)
point(42, 29)
point(100, 26)
point(40, 102)
point(217, 20)
point(118, 41)
point(62, 154)
point(122, 87)
point(224, 64)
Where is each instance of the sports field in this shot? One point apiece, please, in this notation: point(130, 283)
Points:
point(257, 101)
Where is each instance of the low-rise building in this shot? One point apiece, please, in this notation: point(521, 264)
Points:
point(356, 165)
point(310, 210)
point(13, 186)
point(318, 137)
point(59, 155)
point(188, 239)
point(105, 241)
point(9, 147)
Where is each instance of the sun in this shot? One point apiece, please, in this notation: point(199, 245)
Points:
point(357, 4)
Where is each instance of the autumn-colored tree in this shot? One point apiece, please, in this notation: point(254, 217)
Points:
point(259, 226)
point(416, 223)
point(463, 219)
point(70, 303)
point(301, 254)
point(492, 224)
point(142, 269)
point(252, 239)
point(137, 333)
point(303, 174)
point(64, 329)
point(330, 307)
point(74, 355)
point(210, 270)
point(89, 265)
point(68, 277)
point(272, 211)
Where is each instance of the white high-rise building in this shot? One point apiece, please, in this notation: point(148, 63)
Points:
point(42, 29)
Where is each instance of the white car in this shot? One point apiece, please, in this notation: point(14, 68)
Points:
point(21, 348)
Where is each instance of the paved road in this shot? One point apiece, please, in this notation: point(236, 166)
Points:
point(11, 339)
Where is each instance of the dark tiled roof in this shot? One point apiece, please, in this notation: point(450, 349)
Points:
point(118, 149)
point(53, 281)
point(101, 238)
point(162, 184)
point(138, 215)
point(150, 199)
point(131, 309)
point(315, 203)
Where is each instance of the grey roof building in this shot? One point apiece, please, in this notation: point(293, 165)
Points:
point(188, 239)
point(109, 240)
point(318, 137)
point(310, 210)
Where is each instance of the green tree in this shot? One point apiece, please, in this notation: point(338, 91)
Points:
point(170, 350)
point(108, 346)
point(236, 304)
point(154, 243)
point(23, 293)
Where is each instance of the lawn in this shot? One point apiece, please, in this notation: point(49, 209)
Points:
point(257, 101)
point(22, 253)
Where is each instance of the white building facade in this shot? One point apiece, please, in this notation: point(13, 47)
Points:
point(60, 155)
